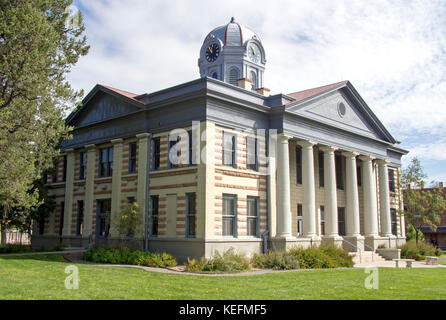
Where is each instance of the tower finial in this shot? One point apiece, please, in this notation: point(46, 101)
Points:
point(232, 20)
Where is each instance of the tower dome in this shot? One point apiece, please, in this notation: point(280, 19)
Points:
point(232, 52)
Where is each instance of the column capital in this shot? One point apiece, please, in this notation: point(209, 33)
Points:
point(350, 154)
point(306, 144)
point(90, 146)
point(143, 135)
point(117, 141)
point(382, 162)
point(284, 136)
point(366, 158)
point(328, 148)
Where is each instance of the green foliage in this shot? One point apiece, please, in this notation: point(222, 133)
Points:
point(418, 251)
point(229, 261)
point(423, 207)
point(37, 50)
point(13, 248)
point(131, 257)
point(129, 219)
point(411, 233)
point(276, 260)
point(322, 257)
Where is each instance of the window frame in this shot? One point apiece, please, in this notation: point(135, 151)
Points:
point(300, 220)
point(233, 150)
point(132, 157)
point(256, 218)
point(299, 172)
point(156, 154)
point(391, 177)
point(255, 166)
point(106, 165)
point(100, 214)
point(321, 169)
point(394, 221)
point(191, 214)
point(232, 217)
point(340, 176)
point(341, 222)
point(83, 166)
point(322, 208)
point(154, 214)
point(80, 218)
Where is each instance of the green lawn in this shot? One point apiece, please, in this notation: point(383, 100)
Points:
point(43, 277)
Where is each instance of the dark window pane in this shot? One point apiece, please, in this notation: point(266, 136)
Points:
point(341, 221)
point(394, 222)
point(251, 153)
point(154, 216)
point(391, 180)
point(190, 215)
point(299, 164)
point(339, 172)
point(321, 169)
point(156, 153)
point(132, 158)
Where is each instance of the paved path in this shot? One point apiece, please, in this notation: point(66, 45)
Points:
point(391, 264)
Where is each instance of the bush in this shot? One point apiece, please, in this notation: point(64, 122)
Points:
point(14, 248)
point(322, 257)
point(412, 250)
point(131, 257)
point(276, 260)
point(229, 261)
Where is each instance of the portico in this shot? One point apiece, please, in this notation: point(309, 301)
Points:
point(367, 205)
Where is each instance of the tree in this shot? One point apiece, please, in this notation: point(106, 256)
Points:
point(37, 49)
point(422, 206)
point(129, 219)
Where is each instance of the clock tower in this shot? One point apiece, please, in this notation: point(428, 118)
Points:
point(233, 52)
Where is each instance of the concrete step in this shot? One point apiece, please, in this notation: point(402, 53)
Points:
point(366, 257)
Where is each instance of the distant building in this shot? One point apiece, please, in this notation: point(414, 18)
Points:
point(333, 175)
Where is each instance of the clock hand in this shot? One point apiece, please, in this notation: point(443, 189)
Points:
point(210, 49)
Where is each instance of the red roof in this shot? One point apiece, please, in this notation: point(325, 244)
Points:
point(302, 95)
point(124, 93)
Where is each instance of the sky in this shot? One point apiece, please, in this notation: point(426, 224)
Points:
point(393, 52)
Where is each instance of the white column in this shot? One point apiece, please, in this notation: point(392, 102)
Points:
point(331, 197)
point(384, 199)
point(370, 207)
point(283, 187)
point(309, 203)
point(352, 208)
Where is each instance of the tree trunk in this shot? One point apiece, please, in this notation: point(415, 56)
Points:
point(416, 236)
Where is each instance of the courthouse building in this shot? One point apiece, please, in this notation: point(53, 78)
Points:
point(330, 175)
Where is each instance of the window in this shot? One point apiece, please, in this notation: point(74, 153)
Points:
point(80, 218)
point(156, 147)
point(391, 180)
point(253, 78)
point(131, 200)
point(132, 157)
point(251, 153)
point(191, 155)
point(321, 169)
point(54, 176)
point(83, 167)
point(394, 222)
point(191, 223)
point(103, 210)
point(234, 75)
point(229, 150)
point(62, 216)
point(64, 172)
point(322, 220)
point(44, 178)
point(229, 215)
point(154, 216)
point(339, 172)
point(358, 175)
point(299, 220)
point(299, 164)
point(106, 162)
point(341, 221)
point(253, 216)
point(215, 75)
point(41, 226)
point(173, 163)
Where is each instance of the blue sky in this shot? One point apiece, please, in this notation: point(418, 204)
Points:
point(393, 52)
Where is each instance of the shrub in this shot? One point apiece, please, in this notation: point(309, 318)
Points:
point(322, 257)
point(14, 248)
point(229, 261)
point(276, 260)
point(412, 250)
point(131, 257)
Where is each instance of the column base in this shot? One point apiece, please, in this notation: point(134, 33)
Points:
point(372, 242)
point(354, 243)
point(285, 243)
point(332, 241)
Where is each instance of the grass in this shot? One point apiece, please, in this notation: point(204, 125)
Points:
point(43, 277)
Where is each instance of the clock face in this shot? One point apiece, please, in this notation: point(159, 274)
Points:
point(254, 53)
point(212, 52)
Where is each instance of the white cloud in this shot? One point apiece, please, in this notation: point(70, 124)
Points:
point(393, 52)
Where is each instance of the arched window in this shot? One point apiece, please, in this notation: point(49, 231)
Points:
point(214, 75)
point(253, 77)
point(234, 75)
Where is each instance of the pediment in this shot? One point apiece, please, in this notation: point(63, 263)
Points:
point(337, 110)
point(102, 107)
